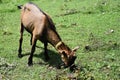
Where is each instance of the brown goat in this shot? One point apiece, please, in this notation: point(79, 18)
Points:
point(41, 27)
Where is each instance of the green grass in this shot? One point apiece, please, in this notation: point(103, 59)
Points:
point(87, 23)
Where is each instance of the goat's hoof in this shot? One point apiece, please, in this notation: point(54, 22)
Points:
point(20, 55)
point(47, 59)
point(58, 67)
point(30, 64)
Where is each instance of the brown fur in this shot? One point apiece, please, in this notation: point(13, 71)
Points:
point(41, 27)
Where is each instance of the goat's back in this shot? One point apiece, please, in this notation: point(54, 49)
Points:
point(31, 16)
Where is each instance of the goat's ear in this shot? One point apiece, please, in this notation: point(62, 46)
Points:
point(75, 49)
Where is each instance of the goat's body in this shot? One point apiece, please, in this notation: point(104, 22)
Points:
point(41, 27)
point(38, 23)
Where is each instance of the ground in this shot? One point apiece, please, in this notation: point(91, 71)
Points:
point(91, 24)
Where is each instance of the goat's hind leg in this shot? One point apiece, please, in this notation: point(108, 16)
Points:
point(20, 41)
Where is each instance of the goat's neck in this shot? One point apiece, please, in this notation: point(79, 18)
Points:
point(55, 40)
point(53, 37)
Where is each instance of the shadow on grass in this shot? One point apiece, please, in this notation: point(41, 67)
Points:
point(54, 61)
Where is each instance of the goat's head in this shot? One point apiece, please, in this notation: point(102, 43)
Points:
point(69, 58)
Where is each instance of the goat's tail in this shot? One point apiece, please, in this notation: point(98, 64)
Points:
point(20, 6)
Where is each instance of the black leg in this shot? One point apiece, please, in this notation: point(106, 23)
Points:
point(46, 51)
point(20, 41)
point(31, 39)
point(30, 62)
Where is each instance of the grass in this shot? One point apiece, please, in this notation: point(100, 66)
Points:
point(93, 25)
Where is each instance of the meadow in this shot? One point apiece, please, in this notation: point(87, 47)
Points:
point(94, 25)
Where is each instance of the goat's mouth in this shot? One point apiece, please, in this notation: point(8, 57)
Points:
point(67, 63)
point(70, 62)
point(70, 65)
point(63, 65)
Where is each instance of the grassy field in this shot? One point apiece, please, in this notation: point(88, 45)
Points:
point(94, 25)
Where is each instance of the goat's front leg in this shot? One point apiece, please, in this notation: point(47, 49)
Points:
point(46, 51)
point(20, 41)
point(30, 60)
point(31, 39)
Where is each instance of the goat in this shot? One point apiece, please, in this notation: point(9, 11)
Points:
point(41, 27)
